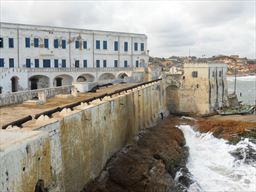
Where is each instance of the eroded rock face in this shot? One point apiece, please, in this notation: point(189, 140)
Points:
point(232, 130)
point(150, 164)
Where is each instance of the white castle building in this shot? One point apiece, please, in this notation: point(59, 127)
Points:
point(34, 57)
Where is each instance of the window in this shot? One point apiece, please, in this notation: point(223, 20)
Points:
point(115, 63)
point(195, 74)
point(63, 63)
point(135, 46)
point(125, 46)
point(11, 43)
point(46, 63)
point(97, 44)
point(105, 45)
point(36, 63)
point(56, 64)
point(11, 62)
point(27, 42)
point(125, 63)
point(46, 43)
point(36, 42)
point(76, 63)
point(1, 62)
point(55, 43)
point(1, 42)
point(104, 63)
point(137, 63)
point(220, 73)
point(77, 44)
point(116, 45)
point(85, 63)
point(28, 63)
point(213, 74)
point(98, 63)
point(142, 46)
point(63, 43)
point(85, 44)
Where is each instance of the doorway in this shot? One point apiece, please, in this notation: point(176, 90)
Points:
point(58, 82)
point(14, 81)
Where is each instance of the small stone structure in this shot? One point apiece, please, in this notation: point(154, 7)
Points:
point(201, 89)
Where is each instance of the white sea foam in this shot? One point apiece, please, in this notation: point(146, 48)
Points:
point(214, 168)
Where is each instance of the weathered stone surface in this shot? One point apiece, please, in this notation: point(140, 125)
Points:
point(150, 164)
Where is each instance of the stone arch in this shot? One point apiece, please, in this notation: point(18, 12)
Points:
point(106, 76)
point(62, 80)
point(122, 76)
point(14, 83)
point(39, 82)
point(85, 78)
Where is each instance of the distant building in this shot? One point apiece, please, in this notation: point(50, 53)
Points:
point(200, 90)
point(33, 57)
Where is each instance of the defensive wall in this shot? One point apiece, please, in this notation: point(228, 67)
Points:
point(68, 148)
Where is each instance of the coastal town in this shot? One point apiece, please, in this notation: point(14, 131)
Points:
point(126, 109)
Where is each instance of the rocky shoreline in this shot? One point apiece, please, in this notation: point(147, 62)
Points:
point(156, 160)
point(149, 164)
point(232, 130)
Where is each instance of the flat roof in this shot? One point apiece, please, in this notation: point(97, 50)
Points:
point(63, 29)
point(7, 114)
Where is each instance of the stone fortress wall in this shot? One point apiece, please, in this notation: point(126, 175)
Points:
point(71, 148)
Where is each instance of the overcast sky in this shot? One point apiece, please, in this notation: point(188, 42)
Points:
point(205, 27)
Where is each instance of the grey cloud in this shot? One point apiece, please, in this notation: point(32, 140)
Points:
point(211, 27)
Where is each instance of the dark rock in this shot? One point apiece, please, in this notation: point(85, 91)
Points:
point(148, 165)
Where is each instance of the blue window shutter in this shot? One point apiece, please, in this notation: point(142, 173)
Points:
point(85, 63)
point(46, 63)
point(125, 63)
point(55, 43)
point(97, 44)
point(142, 46)
point(135, 46)
point(36, 42)
point(1, 62)
point(56, 64)
point(85, 44)
point(116, 45)
point(77, 44)
point(63, 63)
point(46, 43)
point(105, 45)
point(98, 63)
point(77, 63)
point(104, 63)
point(28, 63)
point(27, 42)
point(36, 63)
point(115, 63)
point(137, 63)
point(63, 44)
point(125, 46)
point(11, 43)
point(11, 62)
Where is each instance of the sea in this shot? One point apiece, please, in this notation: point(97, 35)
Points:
point(245, 88)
